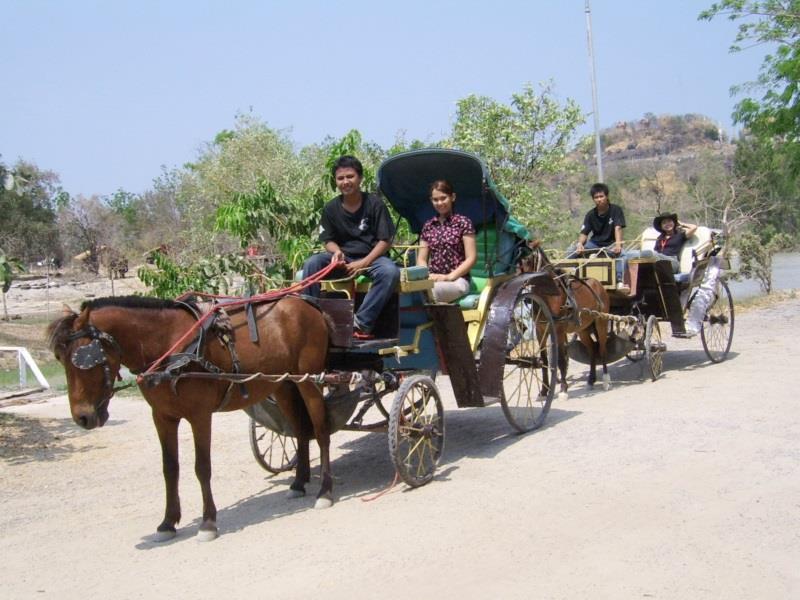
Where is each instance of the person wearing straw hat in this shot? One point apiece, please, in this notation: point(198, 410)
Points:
point(673, 235)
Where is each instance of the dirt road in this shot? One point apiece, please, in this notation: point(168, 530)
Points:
point(688, 487)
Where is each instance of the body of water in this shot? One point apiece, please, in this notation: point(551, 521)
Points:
point(785, 276)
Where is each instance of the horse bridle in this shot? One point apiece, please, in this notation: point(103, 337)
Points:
point(93, 355)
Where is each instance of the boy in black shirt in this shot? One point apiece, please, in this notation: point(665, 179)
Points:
point(604, 223)
point(356, 228)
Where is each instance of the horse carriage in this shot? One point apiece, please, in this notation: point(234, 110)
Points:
point(698, 294)
point(497, 343)
point(297, 368)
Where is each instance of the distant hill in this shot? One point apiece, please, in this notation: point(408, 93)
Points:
point(654, 136)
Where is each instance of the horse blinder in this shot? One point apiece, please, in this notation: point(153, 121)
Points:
point(89, 356)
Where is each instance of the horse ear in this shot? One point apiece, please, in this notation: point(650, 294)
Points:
point(66, 310)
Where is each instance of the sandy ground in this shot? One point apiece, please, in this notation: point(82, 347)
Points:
point(688, 487)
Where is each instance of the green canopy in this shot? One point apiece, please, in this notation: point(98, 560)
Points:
point(404, 179)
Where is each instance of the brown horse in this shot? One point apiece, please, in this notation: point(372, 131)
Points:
point(138, 331)
point(577, 309)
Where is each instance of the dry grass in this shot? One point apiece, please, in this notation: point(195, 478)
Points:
point(772, 299)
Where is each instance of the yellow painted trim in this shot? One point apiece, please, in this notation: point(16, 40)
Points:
point(412, 348)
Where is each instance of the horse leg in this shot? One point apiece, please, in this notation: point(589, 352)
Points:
point(201, 428)
point(562, 366)
point(588, 342)
point(601, 329)
point(315, 405)
point(167, 428)
point(291, 405)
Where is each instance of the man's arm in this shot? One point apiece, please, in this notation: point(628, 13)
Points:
point(333, 248)
point(381, 248)
point(617, 239)
point(582, 237)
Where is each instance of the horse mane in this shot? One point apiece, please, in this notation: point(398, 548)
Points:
point(61, 328)
point(147, 302)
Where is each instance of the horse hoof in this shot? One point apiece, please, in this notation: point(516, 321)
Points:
point(164, 535)
point(207, 535)
point(323, 503)
point(606, 382)
point(293, 494)
point(563, 396)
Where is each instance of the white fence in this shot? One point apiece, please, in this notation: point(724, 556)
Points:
point(25, 361)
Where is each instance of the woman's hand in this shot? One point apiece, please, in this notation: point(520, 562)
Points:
point(439, 277)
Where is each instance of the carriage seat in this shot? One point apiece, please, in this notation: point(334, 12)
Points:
point(695, 248)
point(489, 245)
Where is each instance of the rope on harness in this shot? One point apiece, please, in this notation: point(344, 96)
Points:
point(335, 377)
point(628, 319)
point(237, 302)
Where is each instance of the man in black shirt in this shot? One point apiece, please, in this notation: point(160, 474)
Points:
point(602, 228)
point(356, 228)
point(604, 223)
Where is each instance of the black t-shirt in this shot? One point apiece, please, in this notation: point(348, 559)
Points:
point(356, 233)
point(601, 228)
point(671, 246)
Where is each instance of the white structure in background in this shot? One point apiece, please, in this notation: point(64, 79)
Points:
point(25, 359)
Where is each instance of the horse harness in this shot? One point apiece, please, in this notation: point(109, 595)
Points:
point(175, 364)
point(92, 355)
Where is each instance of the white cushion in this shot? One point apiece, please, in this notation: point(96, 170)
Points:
point(700, 242)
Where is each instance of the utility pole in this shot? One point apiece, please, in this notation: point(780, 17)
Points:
point(598, 148)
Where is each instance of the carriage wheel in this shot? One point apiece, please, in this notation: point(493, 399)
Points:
point(274, 452)
point(529, 377)
point(717, 331)
point(416, 430)
point(654, 347)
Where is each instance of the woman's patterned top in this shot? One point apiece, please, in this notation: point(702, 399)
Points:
point(446, 243)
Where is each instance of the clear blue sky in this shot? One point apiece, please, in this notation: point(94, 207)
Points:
point(105, 93)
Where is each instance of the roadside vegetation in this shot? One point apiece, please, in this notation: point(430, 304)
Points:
point(246, 207)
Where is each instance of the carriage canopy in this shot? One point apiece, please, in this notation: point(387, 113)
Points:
point(404, 180)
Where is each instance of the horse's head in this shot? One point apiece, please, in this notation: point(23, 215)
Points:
point(91, 360)
point(534, 259)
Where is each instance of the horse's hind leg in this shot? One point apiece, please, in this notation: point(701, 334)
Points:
point(601, 330)
point(291, 404)
point(589, 344)
point(201, 427)
point(167, 428)
point(315, 404)
point(562, 366)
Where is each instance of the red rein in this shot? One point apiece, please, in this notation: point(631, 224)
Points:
point(236, 302)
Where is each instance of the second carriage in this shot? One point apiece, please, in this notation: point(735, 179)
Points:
point(694, 301)
point(497, 343)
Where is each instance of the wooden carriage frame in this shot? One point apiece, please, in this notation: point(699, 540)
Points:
point(497, 344)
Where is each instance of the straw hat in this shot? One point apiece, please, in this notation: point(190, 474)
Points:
point(661, 217)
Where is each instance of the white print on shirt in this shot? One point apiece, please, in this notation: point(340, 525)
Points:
point(364, 225)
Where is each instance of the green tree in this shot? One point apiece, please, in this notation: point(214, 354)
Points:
point(776, 115)
point(28, 202)
point(755, 255)
point(8, 267)
point(526, 144)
